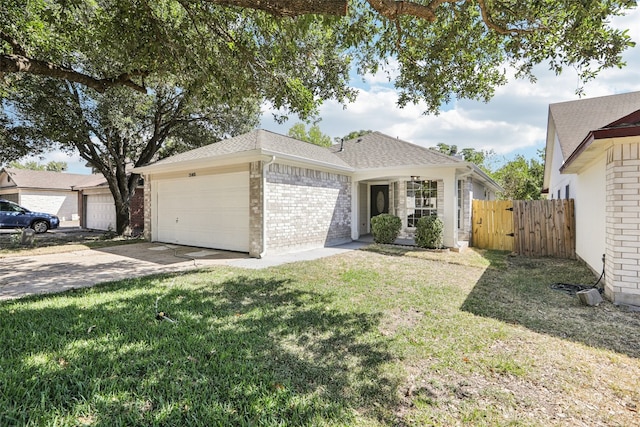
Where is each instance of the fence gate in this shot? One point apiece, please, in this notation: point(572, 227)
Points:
point(492, 224)
point(534, 228)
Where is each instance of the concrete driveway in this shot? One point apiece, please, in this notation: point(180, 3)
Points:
point(26, 275)
point(35, 274)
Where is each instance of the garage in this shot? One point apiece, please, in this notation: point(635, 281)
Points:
point(99, 211)
point(209, 211)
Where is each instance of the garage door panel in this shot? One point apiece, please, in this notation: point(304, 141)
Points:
point(100, 212)
point(210, 211)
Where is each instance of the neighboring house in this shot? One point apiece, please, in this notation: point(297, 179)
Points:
point(70, 196)
point(593, 156)
point(43, 191)
point(98, 209)
point(266, 193)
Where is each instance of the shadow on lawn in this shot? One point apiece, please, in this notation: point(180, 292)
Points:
point(244, 351)
point(517, 290)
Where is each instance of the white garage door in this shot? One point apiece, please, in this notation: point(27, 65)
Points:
point(100, 212)
point(210, 211)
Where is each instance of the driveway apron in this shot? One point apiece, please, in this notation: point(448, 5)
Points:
point(27, 275)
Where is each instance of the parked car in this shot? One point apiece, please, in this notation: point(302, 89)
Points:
point(13, 215)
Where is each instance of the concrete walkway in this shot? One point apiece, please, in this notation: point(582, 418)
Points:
point(28, 275)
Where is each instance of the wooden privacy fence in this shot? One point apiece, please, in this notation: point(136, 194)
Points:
point(532, 228)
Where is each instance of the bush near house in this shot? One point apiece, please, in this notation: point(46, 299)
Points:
point(385, 228)
point(429, 232)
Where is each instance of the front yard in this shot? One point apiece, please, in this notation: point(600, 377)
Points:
point(378, 337)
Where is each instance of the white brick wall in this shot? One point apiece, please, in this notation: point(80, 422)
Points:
point(306, 208)
point(622, 264)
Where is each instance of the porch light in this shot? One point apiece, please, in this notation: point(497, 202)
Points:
point(415, 178)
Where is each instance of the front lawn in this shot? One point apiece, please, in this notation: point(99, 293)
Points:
point(378, 337)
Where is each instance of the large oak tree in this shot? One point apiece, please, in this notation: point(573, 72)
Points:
point(82, 55)
point(443, 47)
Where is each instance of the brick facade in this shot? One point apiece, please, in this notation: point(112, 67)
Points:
point(306, 208)
point(136, 214)
point(622, 262)
point(256, 197)
point(464, 232)
point(146, 233)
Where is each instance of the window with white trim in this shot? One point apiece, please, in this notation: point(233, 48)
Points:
point(422, 200)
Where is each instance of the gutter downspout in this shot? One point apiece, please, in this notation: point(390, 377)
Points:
point(265, 167)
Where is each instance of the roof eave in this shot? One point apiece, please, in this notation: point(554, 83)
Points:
point(307, 161)
point(595, 143)
point(199, 163)
point(236, 158)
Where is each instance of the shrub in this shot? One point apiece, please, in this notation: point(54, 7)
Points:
point(385, 228)
point(429, 232)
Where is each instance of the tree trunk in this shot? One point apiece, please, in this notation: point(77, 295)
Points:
point(123, 219)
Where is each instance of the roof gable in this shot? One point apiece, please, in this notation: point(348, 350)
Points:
point(260, 141)
point(377, 150)
point(573, 120)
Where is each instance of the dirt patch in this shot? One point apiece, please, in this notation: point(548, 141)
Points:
point(398, 318)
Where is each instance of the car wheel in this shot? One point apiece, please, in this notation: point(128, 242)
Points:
point(40, 226)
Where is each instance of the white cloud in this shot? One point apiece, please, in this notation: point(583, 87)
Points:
point(513, 122)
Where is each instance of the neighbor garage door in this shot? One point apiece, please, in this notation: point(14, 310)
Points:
point(209, 211)
point(100, 212)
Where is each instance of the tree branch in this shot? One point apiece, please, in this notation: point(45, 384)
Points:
point(290, 7)
point(488, 20)
point(22, 64)
point(393, 9)
point(15, 46)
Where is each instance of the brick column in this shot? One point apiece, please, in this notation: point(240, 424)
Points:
point(256, 209)
point(400, 206)
point(467, 196)
point(622, 263)
point(147, 208)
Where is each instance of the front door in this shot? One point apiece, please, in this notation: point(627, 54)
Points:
point(379, 200)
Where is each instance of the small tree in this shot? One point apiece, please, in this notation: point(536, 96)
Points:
point(429, 232)
point(314, 135)
point(385, 228)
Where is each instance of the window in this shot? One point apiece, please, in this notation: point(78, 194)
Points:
point(566, 192)
point(10, 207)
point(558, 193)
point(422, 200)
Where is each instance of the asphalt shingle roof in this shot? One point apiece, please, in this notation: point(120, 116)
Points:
point(26, 178)
point(259, 140)
point(377, 150)
point(575, 119)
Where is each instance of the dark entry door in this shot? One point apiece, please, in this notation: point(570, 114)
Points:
point(379, 199)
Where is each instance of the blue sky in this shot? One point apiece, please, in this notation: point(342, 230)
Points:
point(513, 122)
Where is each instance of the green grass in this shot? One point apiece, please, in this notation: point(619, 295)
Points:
point(369, 338)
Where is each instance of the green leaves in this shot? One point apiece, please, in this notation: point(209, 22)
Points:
point(314, 135)
point(521, 179)
point(296, 63)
